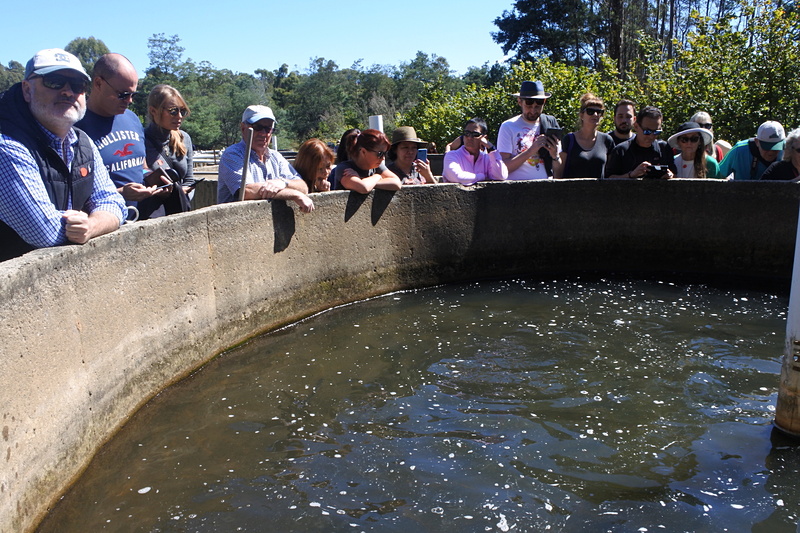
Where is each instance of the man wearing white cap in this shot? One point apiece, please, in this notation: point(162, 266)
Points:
point(54, 188)
point(748, 159)
point(269, 174)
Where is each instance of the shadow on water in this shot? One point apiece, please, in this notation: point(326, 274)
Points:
point(573, 405)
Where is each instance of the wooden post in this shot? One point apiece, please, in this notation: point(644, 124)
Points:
point(787, 413)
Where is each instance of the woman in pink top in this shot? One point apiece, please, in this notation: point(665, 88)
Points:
point(474, 161)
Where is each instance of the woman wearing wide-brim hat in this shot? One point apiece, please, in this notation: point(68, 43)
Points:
point(693, 161)
point(403, 153)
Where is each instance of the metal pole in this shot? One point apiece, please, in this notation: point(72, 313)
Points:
point(787, 413)
point(249, 142)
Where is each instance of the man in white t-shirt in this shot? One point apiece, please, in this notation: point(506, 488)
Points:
point(531, 141)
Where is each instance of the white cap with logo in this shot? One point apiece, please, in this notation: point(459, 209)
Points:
point(771, 135)
point(51, 60)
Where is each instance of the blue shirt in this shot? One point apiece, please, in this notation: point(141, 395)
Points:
point(230, 171)
point(24, 203)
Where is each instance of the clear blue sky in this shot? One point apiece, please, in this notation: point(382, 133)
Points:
point(245, 36)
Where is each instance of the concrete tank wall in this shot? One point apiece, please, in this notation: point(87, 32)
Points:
point(90, 333)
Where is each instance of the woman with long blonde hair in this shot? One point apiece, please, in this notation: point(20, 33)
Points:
point(166, 145)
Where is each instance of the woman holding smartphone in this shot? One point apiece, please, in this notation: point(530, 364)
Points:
point(409, 168)
point(168, 147)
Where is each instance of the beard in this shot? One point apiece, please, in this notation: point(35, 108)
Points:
point(623, 128)
point(531, 116)
point(58, 118)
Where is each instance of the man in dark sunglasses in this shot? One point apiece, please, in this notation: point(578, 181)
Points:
point(644, 156)
point(54, 188)
point(116, 130)
point(531, 141)
point(269, 174)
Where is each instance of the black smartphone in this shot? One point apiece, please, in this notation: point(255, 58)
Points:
point(556, 133)
point(196, 182)
point(422, 154)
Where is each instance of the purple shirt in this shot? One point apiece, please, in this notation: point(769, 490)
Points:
point(461, 167)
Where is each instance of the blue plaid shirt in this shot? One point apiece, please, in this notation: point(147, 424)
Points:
point(24, 203)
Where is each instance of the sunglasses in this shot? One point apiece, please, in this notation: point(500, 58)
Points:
point(380, 153)
point(594, 111)
point(473, 134)
point(534, 101)
point(706, 125)
point(261, 127)
point(58, 81)
point(652, 132)
point(122, 95)
point(175, 110)
point(694, 139)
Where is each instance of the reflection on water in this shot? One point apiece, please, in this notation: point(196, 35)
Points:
point(568, 405)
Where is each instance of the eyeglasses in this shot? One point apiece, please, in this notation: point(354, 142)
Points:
point(534, 101)
point(380, 153)
point(706, 125)
point(473, 134)
point(175, 110)
point(122, 95)
point(594, 111)
point(58, 81)
point(261, 127)
point(685, 139)
point(652, 132)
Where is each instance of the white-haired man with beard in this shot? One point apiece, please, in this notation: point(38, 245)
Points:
point(54, 188)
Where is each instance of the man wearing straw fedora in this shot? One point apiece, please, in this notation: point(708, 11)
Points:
point(531, 141)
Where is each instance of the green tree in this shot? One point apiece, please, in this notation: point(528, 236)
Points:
point(563, 30)
point(88, 50)
point(11, 74)
point(165, 53)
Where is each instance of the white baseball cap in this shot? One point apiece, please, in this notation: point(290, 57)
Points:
point(254, 113)
point(51, 60)
point(771, 135)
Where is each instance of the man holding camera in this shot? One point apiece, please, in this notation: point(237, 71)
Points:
point(644, 156)
point(531, 141)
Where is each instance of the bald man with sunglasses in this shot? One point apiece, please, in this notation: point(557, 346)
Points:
point(54, 188)
point(117, 131)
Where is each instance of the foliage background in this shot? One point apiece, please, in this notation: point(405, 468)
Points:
point(737, 61)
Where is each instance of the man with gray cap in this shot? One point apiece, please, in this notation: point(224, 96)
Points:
point(748, 159)
point(54, 188)
point(269, 174)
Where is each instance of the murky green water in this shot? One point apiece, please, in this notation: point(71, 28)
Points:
point(568, 405)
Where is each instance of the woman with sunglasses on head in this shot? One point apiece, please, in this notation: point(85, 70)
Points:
point(476, 160)
point(585, 151)
point(365, 170)
point(789, 168)
point(693, 161)
point(167, 146)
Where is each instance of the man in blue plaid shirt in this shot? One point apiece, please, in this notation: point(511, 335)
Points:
point(54, 188)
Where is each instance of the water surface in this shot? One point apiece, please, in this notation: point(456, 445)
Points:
point(520, 405)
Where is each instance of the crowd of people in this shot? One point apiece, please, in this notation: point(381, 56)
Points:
point(74, 167)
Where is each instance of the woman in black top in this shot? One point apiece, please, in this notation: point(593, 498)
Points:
point(584, 152)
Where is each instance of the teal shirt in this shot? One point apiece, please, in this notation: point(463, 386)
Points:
point(739, 162)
